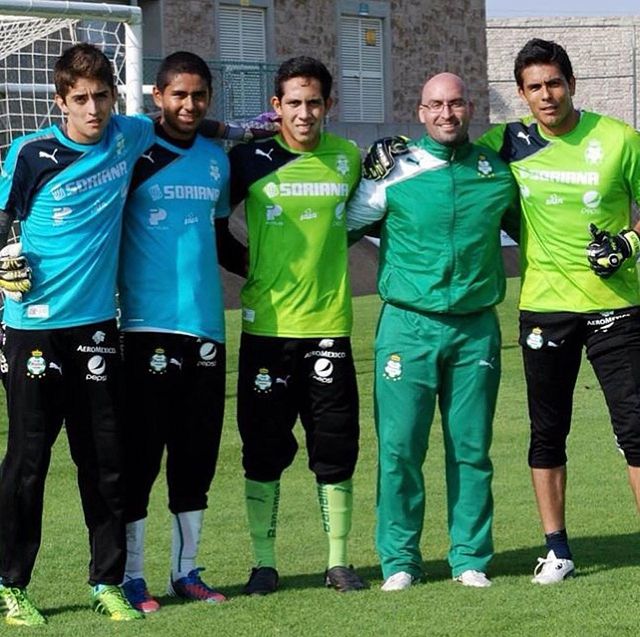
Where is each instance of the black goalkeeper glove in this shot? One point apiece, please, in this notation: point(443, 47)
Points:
point(15, 273)
point(607, 252)
point(381, 156)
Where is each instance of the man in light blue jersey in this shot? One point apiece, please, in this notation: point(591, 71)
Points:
point(67, 187)
point(173, 324)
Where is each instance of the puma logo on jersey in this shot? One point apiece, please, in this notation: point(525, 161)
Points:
point(148, 157)
point(283, 381)
point(52, 156)
point(489, 363)
point(525, 136)
point(259, 151)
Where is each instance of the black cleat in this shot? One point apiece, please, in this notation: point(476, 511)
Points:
point(344, 579)
point(262, 581)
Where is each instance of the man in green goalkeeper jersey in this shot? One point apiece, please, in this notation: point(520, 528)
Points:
point(295, 353)
point(578, 173)
point(438, 340)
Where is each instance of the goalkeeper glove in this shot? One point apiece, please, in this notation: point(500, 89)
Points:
point(607, 252)
point(381, 156)
point(264, 125)
point(15, 273)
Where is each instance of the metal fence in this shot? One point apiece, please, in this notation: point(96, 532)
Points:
point(240, 89)
point(604, 54)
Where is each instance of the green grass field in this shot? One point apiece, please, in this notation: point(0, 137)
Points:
point(603, 525)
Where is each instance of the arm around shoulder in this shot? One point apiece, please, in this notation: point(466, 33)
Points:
point(367, 207)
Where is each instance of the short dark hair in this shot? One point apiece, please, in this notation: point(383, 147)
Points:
point(182, 62)
point(539, 51)
point(84, 61)
point(303, 66)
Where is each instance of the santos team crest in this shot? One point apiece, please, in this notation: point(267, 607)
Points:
point(535, 339)
point(36, 365)
point(594, 153)
point(158, 362)
point(485, 169)
point(262, 383)
point(393, 368)
point(342, 165)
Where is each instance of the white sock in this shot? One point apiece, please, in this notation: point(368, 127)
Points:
point(134, 567)
point(184, 542)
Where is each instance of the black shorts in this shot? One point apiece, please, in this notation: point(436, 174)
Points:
point(552, 345)
point(69, 375)
point(283, 378)
point(174, 397)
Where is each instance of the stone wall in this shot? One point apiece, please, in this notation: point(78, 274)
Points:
point(430, 37)
point(188, 25)
point(426, 38)
point(602, 52)
point(307, 28)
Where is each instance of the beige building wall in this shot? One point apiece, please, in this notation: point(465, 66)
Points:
point(434, 36)
point(188, 25)
point(603, 51)
point(426, 37)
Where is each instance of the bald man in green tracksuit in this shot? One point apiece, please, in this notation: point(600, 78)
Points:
point(438, 339)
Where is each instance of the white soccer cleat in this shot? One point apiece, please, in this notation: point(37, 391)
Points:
point(476, 579)
point(552, 569)
point(398, 582)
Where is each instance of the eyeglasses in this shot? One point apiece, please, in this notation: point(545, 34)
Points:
point(436, 106)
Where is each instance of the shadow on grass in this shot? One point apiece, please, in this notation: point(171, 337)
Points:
point(305, 581)
point(592, 554)
point(61, 610)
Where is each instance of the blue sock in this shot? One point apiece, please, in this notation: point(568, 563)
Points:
point(558, 542)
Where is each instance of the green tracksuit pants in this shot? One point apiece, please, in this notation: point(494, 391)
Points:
point(421, 359)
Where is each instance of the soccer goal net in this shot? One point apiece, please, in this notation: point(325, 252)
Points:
point(34, 33)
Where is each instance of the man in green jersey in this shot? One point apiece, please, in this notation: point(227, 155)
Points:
point(438, 339)
point(295, 353)
point(575, 170)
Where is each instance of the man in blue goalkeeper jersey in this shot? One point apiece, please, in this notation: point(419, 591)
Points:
point(67, 187)
point(173, 324)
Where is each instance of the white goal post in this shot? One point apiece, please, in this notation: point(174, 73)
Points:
point(34, 33)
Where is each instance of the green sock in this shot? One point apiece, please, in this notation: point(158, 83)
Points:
point(336, 504)
point(262, 500)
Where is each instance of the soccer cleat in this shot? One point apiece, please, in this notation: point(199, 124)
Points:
point(344, 579)
point(262, 581)
point(398, 582)
point(475, 579)
point(193, 588)
point(135, 590)
point(109, 600)
point(552, 569)
point(18, 609)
